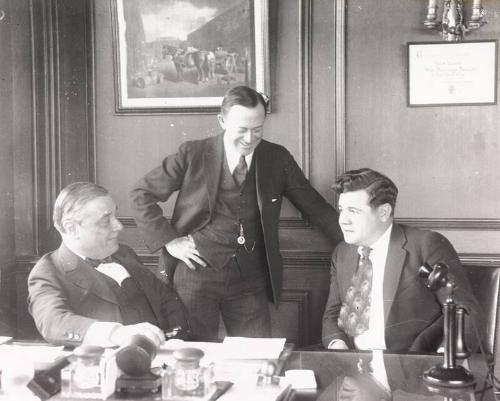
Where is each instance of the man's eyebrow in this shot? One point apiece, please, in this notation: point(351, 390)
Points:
point(106, 213)
point(351, 208)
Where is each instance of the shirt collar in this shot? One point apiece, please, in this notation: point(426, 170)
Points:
point(382, 243)
point(233, 157)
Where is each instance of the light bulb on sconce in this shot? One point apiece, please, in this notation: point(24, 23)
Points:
point(452, 24)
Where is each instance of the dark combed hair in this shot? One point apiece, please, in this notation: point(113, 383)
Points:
point(243, 96)
point(380, 188)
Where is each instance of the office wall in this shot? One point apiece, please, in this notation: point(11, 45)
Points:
point(6, 165)
point(65, 129)
point(127, 146)
point(6, 161)
point(443, 158)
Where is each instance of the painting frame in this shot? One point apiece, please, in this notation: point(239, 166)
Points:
point(251, 69)
point(452, 73)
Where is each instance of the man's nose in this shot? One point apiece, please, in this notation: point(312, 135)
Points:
point(248, 137)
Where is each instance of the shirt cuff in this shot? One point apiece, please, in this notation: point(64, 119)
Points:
point(333, 342)
point(99, 333)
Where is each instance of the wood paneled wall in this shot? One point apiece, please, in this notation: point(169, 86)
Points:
point(336, 105)
point(443, 158)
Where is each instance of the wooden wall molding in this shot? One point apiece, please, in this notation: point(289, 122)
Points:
point(62, 45)
point(451, 223)
point(301, 299)
point(305, 80)
point(292, 260)
point(339, 87)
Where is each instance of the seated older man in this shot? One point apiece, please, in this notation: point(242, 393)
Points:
point(92, 289)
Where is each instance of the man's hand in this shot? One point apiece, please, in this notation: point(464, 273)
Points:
point(121, 335)
point(184, 248)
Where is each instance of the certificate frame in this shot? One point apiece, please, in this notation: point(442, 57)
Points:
point(188, 68)
point(452, 73)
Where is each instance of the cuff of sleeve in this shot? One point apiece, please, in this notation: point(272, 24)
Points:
point(336, 341)
point(99, 333)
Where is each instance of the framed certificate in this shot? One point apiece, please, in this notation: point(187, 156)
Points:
point(452, 73)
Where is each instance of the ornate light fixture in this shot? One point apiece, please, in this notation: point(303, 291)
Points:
point(451, 24)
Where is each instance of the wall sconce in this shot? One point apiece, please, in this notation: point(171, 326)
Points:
point(451, 24)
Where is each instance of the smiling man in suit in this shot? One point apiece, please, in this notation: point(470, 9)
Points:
point(92, 289)
point(223, 235)
point(377, 300)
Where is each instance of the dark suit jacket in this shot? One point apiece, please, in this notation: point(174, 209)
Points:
point(66, 296)
point(195, 172)
point(412, 313)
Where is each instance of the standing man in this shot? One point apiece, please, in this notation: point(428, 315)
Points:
point(223, 235)
point(92, 289)
point(377, 300)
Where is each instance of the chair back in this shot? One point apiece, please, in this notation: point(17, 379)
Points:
point(485, 283)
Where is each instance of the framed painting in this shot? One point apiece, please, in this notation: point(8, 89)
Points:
point(452, 73)
point(182, 56)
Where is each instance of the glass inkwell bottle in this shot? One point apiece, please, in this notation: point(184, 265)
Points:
point(187, 380)
point(82, 378)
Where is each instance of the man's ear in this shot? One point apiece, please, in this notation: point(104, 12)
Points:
point(70, 228)
point(385, 212)
point(220, 118)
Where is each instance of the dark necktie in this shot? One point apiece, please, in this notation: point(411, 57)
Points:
point(240, 172)
point(96, 262)
point(354, 316)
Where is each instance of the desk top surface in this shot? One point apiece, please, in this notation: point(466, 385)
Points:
point(367, 376)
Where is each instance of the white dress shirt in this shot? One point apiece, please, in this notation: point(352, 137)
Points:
point(233, 157)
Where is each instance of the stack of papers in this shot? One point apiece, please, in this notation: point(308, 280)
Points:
point(301, 379)
point(37, 356)
point(236, 359)
point(253, 348)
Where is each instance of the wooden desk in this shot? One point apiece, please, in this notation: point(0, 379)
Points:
point(404, 373)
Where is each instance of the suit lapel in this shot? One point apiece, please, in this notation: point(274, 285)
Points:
point(349, 268)
point(83, 276)
point(394, 264)
point(262, 165)
point(213, 157)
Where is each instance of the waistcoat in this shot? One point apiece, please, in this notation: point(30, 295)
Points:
point(133, 303)
point(234, 206)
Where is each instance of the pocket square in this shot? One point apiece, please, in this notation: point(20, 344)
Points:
point(274, 200)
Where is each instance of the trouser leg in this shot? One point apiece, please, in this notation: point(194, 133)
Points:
point(200, 290)
point(245, 307)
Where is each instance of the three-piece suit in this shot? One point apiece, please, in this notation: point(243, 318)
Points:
point(197, 171)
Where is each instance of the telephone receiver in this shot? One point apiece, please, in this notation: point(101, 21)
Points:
point(436, 276)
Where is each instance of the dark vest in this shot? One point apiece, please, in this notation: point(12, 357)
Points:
point(133, 303)
point(217, 241)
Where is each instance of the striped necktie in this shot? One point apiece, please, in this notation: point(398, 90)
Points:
point(240, 172)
